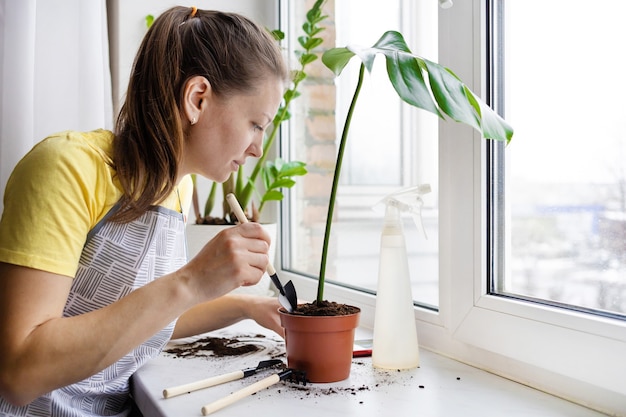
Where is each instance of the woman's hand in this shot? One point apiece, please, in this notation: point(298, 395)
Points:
point(237, 256)
point(264, 310)
point(228, 310)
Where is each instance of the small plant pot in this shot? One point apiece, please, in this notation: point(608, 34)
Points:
point(320, 345)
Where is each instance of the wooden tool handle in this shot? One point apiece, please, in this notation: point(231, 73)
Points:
point(236, 208)
point(238, 395)
point(204, 383)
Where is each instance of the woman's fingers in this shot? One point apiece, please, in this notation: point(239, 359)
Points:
point(237, 256)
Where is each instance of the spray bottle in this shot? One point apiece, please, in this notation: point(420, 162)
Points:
point(395, 343)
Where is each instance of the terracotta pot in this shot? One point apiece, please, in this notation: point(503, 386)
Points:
point(320, 345)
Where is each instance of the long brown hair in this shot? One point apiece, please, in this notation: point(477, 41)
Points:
point(231, 51)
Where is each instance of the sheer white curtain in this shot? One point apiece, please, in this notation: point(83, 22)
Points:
point(54, 61)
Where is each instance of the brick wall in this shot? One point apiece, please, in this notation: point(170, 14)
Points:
point(315, 135)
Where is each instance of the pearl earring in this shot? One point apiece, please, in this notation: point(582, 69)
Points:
point(193, 121)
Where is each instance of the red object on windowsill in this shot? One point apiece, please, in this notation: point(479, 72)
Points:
point(361, 353)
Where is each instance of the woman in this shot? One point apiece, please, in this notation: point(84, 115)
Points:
point(93, 273)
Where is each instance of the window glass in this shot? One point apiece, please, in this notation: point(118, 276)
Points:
point(565, 194)
point(391, 146)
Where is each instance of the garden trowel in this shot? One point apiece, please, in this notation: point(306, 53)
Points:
point(287, 295)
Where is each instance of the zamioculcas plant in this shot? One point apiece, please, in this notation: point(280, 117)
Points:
point(419, 82)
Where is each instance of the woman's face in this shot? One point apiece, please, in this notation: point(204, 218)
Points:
point(228, 130)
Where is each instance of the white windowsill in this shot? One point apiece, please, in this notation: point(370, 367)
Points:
point(439, 387)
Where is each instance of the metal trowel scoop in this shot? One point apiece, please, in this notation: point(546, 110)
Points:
point(287, 294)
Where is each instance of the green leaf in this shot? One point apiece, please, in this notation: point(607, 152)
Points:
point(267, 178)
point(315, 11)
point(307, 58)
point(210, 201)
point(149, 20)
point(312, 43)
point(282, 183)
point(298, 76)
point(407, 79)
point(240, 180)
point(317, 29)
point(278, 173)
point(279, 119)
point(313, 14)
point(302, 40)
point(450, 94)
point(288, 96)
point(307, 27)
point(336, 59)
point(273, 195)
point(392, 40)
point(278, 34)
point(295, 95)
point(293, 171)
point(494, 126)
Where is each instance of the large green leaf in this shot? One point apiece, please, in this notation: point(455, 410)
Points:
point(408, 81)
point(424, 84)
point(450, 94)
point(494, 126)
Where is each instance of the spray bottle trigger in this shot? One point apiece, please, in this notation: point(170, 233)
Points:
point(417, 219)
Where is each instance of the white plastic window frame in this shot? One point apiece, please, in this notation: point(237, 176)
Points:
point(574, 355)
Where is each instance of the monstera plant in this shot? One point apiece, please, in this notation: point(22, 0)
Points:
point(419, 82)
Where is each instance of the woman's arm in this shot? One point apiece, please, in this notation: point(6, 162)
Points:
point(41, 350)
point(228, 310)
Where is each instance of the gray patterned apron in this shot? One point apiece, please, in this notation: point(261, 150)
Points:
point(116, 259)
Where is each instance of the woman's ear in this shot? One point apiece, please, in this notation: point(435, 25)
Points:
point(197, 90)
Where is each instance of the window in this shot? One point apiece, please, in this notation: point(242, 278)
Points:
point(564, 197)
point(485, 314)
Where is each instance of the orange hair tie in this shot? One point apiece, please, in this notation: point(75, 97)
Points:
point(194, 9)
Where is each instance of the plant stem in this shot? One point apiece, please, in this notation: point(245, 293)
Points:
point(333, 192)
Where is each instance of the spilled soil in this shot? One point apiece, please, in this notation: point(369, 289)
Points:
point(214, 346)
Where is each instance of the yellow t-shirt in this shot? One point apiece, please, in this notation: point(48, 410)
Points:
point(56, 194)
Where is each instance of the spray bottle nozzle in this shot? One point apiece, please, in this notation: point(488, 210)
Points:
point(409, 200)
